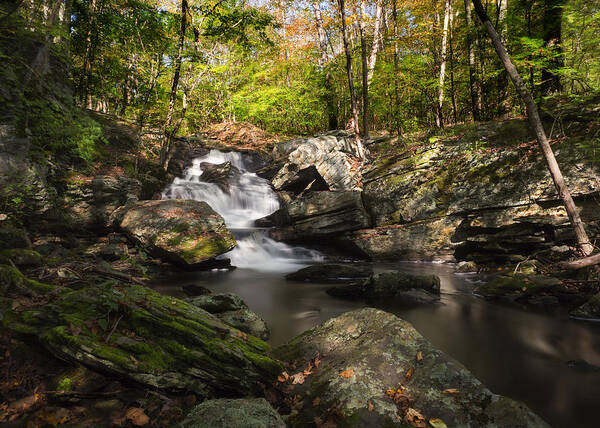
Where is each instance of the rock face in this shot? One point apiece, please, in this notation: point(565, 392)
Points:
point(367, 352)
point(182, 231)
point(392, 287)
point(331, 273)
point(232, 310)
point(138, 334)
point(90, 203)
point(325, 160)
point(589, 310)
point(219, 174)
point(240, 413)
point(325, 213)
point(482, 205)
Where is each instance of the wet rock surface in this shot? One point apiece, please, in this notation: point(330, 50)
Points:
point(181, 231)
point(331, 273)
point(228, 413)
point(590, 310)
point(376, 370)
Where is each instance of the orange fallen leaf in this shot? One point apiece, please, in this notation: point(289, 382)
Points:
point(409, 373)
point(283, 377)
point(414, 418)
point(317, 361)
point(308, 370)
point(316, 401)
point(370, 406)
point(419, 357)
point(451, 391)
point(137, 416)
point(297, 378)
point(347, 373)
point(133, 360)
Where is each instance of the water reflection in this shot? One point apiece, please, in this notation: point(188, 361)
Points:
point(514, 352)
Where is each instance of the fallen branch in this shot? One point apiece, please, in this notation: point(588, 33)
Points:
point(118, 275)
point(581, 263)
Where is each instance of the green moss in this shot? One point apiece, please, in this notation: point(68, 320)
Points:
point(11, 279)
point(64, 385)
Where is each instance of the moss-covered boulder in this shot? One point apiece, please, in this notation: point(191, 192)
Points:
point(371, 368)
point(11, 237)
point(181, 231)
point(21, 257)
point(589, 310)
point(331, 273)
point(138, 334)
point(240, 413)
point(219, 302)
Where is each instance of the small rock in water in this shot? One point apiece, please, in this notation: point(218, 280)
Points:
point(331, 273)
point(582, 365)
point(195, 290)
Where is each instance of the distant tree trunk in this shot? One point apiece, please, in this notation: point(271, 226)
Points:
point(353, 102)
point(376, 39)
point(323, 60)
point(552, 23)
point(502, 81)
point(364, 69)
point(396, 70)
point(535, 122)
point(85, 69)
point(452, 89)
point(167, 131)
point(439, 119)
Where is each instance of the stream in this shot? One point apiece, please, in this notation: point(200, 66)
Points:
point(519, 353)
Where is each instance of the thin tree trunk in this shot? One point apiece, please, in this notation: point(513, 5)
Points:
point(475, 101)
point(439, 119)
point(552, 28)
point(364, 69)
point(359, 146)
point(376, 39)
point(452, 89)
point(535, 122)
point(168, 133)
point(396, 70)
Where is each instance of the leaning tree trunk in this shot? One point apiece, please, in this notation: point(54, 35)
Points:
point(376, 39)
point(359, 147)
point(439, 120)
point(535, 122)
point(168, 133)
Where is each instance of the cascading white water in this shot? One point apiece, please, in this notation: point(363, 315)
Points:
point(250, 197)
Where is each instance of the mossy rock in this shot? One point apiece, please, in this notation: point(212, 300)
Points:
point(331, 273)
point(227, 413)
point(185, 232)
point(364, 353)
point(216, 303)
point(13, 282)
point(589, 310)
point(21, 257)
point(11, 237)
point(135, 333)
point(513, 286)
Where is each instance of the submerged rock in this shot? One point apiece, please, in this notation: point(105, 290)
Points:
point(227, 413)
point(589, 310)
point(182, 231)
point(138, 334)
point(392, 287)
point(221, 302)
point(331, 273)
point(376, 370)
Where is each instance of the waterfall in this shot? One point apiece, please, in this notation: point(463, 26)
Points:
point(249, 198)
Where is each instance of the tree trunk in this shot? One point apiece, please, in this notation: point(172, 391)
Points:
point(535, 122)
point(376, 39)
point(552, 20)
point(353, 103)
point(452, 88)
point(364, 69)
point(168, 133)
point(323, 60)
point(475, 100)
point(396, 71)
point(439, 119)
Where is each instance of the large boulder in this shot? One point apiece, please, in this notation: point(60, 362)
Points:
point(324, 158)
point(233, 413)
point(325, 213)
point(182, 231)
point(220, 174)
point(374, 369)
point(137, 334)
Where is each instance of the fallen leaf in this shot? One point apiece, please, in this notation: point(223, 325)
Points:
point(74, 330)
point(283, 377)
point(137, 416)
point(316, 401)
point(133, 360)
point(317, 361)
point(308, 370)
point(414, 418)
point(437, 423)
point(370, 406)
point(297, 378)
point(347, 373)
point(451, 391)
point(409, 373)
point(419, 357)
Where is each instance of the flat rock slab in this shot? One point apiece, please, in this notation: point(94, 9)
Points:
point(181, 231)
point(239, 413)
point(365, 356)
